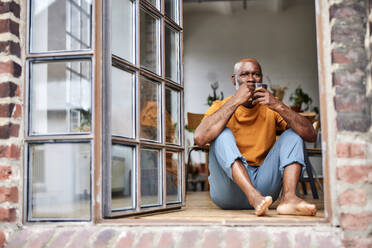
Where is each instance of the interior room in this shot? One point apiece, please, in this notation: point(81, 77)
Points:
point(281, 35)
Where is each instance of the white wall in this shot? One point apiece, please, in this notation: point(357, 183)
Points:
point(217, 34)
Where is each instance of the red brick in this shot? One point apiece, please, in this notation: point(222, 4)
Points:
point(302, 240)
point(357, 242)
point(127, 240)
point(358, 221)
point(10, 48)
point(341, 11)
point(41, 239)
point(7, 25)
point(355, 174)
point(345, 78)
point(9, 130)
point(8, 194)
point(6, 110)
point(2, 238)
point(19, 238)
point(8, 214)
point(188, 239)
point(350, 103)
point(351, 150)
point(18, 111)
point(212, 239)
point(234, 238)
point(166, 241)
point(5, 172)
point(257, 239)
point(81, 239)
point(10, 67)
point(281, 240)
point(12, 7)
point(11, 151)
point(353, 196)
point(62, 239)
point(8, 89)
point(104, 238)
point(145, 241)
point(340, 58)
point(326, 241)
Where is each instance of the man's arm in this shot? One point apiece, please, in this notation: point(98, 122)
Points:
point(213, 125)
point(297, 122)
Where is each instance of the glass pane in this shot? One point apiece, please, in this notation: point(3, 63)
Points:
point(60, 25)
point(150, 109)
point(121, 176)
point(122, 29)
point(172, 116)
point(150, 177)
point(171, 9)
point(61, 97)
point(154, 3)
point(171, 54)
point(122, 112)
point(149, 54)
point(173, 177)
point(60, 180)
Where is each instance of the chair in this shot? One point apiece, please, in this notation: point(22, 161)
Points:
point(193, 121)
point(308, 152)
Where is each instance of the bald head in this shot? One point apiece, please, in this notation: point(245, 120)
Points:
point(241, 62)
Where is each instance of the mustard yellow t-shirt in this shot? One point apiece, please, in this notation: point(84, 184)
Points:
point(254, 129)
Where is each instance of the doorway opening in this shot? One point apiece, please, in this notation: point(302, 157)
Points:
point(281, 35)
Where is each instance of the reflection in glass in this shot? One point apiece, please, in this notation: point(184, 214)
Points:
point(121, 176)
point(171, 9)
point(61, 97)
point(171, 54)
point(122, 113)
point(60, 180)
point(122, 29)
point(149, 54)
point(173, 176)
point(153, 3)
point(150, 109)
point(172, 116)
point(150, 177)
point(60, 25)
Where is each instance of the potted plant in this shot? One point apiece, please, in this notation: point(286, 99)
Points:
point(211, 99)
point(298, 97)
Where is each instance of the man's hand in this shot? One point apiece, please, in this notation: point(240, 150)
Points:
point(264, 97)
point(244, 94)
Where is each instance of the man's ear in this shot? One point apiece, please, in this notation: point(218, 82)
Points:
point(233, 79)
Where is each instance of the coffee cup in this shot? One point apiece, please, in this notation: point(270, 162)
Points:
point(258, 85)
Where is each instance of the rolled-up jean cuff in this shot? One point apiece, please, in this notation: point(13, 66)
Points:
point(286, 163)
point(230, 163)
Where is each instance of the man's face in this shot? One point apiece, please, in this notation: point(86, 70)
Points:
point(249, 72)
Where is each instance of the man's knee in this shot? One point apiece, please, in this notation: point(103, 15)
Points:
point(224, 136)
point(291, 136)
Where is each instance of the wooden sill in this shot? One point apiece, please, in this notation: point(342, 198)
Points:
point(200, 210)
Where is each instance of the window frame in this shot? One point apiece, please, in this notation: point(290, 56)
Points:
point(139, 72)
point(83, 137)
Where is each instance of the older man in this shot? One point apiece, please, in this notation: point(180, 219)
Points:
point(248, 167)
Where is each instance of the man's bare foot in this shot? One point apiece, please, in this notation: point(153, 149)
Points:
point(262, 205)
point(295, 206)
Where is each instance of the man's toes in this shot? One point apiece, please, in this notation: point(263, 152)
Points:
point(263, 206)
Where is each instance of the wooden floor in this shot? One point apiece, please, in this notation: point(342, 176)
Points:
point(199, 208)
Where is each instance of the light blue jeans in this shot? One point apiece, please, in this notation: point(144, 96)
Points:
point(266, 178)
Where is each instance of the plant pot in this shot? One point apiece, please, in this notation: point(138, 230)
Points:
point(296, 108)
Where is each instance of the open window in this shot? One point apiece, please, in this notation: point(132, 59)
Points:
point(105, 93)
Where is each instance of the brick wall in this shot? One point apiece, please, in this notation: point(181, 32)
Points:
point(10, 117)
point(351, 78)
point(351, 92)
